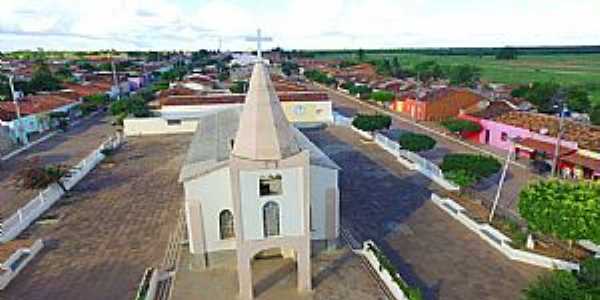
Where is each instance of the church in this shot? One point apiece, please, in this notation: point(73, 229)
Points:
point(254, 184)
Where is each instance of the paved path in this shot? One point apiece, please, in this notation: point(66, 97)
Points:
point(115, 224)
point(64, 148)
point(517, 177)
point(380, 200)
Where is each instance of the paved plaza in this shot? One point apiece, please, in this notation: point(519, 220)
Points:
point(67, 148)
point(381, 200)
point(115, 224)
point(336, 275)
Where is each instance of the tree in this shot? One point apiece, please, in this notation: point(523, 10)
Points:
point(360, 54)
point(558, 285)
point(42, 79)
point(464, 75)
point(540, 94)
point(371, 122)
point(289, 67)
point(36, 176)
point(595, 116)
point(416, 142)
point(320, 77)
point(507, 53)
point(578, 99)
point(459, 126)
point(429, 70)
point(363, 91)
point(470, 165)
point(382, 96)
point(566, 210)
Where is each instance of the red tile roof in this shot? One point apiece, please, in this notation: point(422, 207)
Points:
point(239, 98)
point(580, 160)
point(545, 147)
point(35, 104)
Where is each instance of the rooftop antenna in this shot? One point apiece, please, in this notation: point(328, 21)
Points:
point(259, 39)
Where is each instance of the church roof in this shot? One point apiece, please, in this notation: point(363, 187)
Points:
point(210, 148)
point(264, 132)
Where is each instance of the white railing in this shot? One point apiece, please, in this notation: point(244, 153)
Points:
point(20, 220)
point(498, 240)
point(388, 279)
point(8, 272)
point(340, 120)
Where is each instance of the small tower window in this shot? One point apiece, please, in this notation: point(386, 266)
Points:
point(270, 185)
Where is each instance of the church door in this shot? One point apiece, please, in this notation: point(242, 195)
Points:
point(271, 219)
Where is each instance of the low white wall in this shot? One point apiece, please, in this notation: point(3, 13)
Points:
point(20, 220)
point(366, 135)
point(498, 240)
point(150, 126)
point(9, 274)
point(383, 273)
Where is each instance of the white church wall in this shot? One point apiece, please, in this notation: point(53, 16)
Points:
point(321, 179)
point(290, 202)
point(213, 191)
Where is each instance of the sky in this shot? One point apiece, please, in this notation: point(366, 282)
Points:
point(294, 24)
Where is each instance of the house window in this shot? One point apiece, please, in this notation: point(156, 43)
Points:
point(504, 136)
point(271, 219)
point(226, 225)
point(270, 185)
point(173, 122)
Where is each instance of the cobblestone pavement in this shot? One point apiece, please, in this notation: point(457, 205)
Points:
point(382, 201)
point(64, 148)
point(517, 177)
point(115, 224)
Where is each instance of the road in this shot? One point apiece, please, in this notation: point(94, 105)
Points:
point(67, 148)
point(381, 200)
point(518, 175)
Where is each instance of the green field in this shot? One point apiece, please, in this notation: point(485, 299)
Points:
point(567, 69)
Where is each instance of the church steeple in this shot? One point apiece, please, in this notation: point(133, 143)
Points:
point(264, 132)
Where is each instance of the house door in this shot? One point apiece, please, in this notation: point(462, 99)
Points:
point(487, 136)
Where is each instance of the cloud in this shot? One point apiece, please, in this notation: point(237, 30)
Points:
point(314, 24)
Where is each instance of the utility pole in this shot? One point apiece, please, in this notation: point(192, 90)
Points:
point(17, 108)
point(563, 107)
point(115, 77)
point(502, 178)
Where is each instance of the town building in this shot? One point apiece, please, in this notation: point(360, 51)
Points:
point(439, 104)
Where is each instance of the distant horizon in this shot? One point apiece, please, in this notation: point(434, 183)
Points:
point(318, 50)
point(163, 25)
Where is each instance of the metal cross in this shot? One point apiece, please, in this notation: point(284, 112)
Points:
point(258, 39)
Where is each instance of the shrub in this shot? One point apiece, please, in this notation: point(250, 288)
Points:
point(461, 178)
point(567, 210)
point(382, 96)
point(558, 285)
point(34, 175)
point(347, 85)
point(371, 122)
point(416, 142)
point(363, 91)
point(461, 126)
point(589, 275)
point(473, 165)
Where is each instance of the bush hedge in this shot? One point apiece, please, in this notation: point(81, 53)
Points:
point(416, 142)
point(371, 122)
point(477, 166)
point(461, 126)
point(382, 96)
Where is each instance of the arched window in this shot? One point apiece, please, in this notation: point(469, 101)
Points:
point(226, 224)
point(271, 219)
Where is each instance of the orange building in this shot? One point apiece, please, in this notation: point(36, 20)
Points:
point(439, 104)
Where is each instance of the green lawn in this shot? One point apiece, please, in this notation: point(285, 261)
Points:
point(568, 69)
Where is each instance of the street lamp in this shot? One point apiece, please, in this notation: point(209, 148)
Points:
point(511, 149)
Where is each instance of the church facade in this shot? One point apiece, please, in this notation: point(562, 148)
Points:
point(254, 183)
